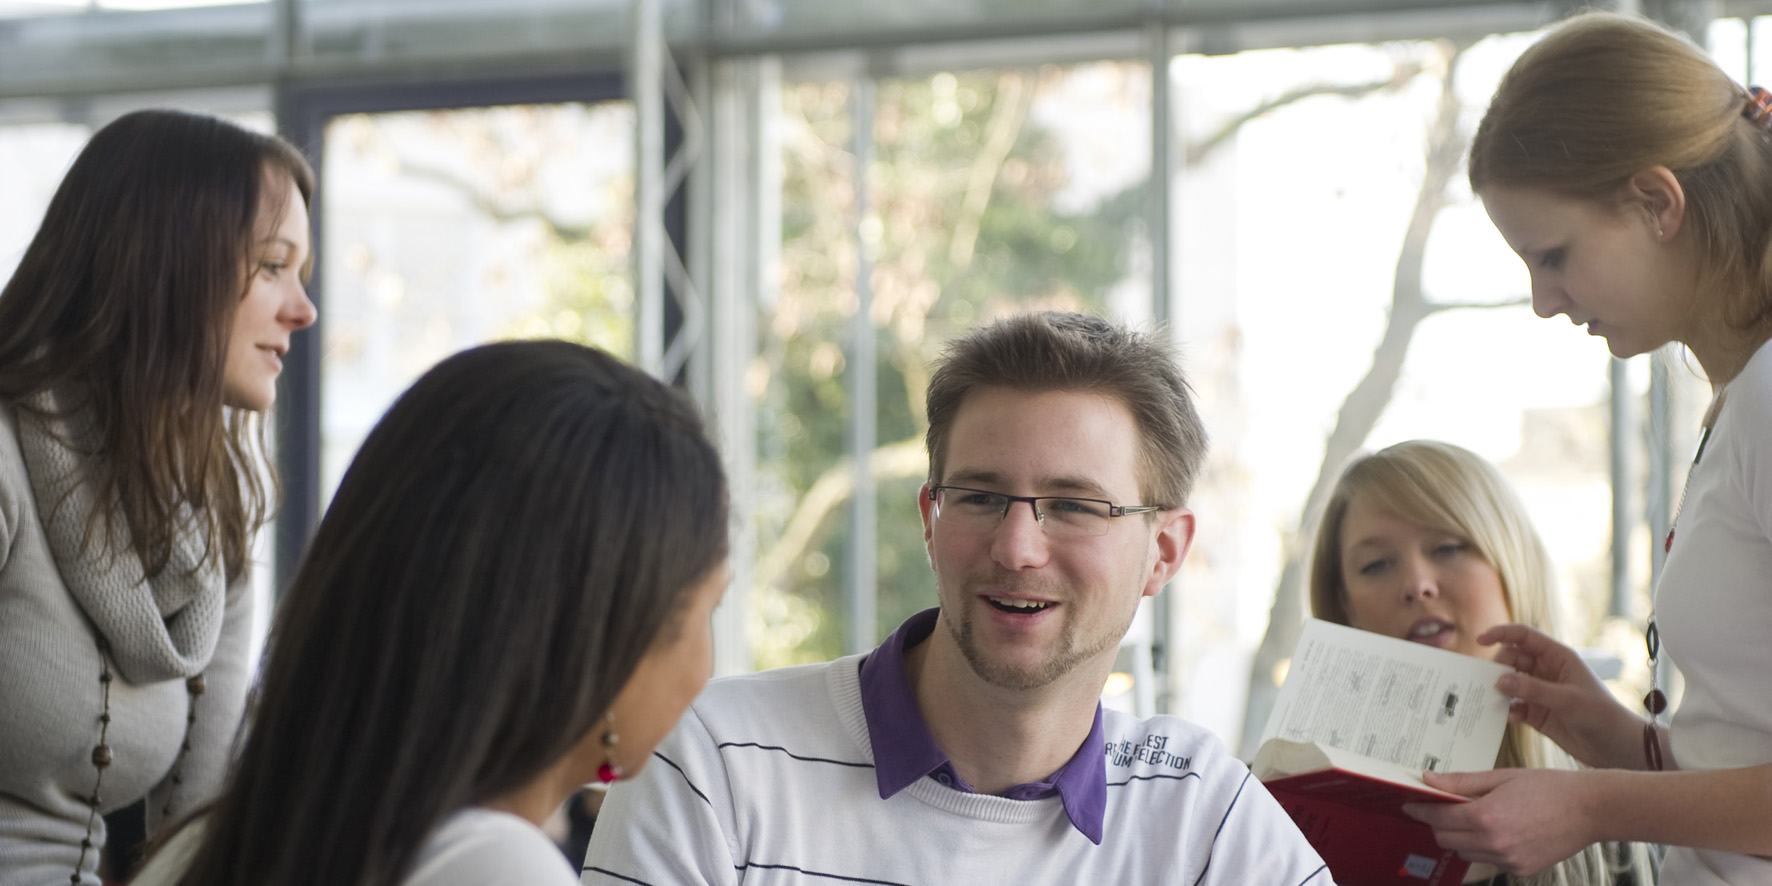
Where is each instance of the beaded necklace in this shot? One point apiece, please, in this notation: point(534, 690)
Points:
point(102, 757)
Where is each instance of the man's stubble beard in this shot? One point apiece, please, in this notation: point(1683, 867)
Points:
point(1060, 664)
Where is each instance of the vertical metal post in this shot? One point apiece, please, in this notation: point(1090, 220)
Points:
point(287, 39)
point(740, 144)
point(698, 243)
point(1623, 515)
point(1159, 212)
point(297, 417)
point(1157, 206)
point(863, 585)
point(645, 85)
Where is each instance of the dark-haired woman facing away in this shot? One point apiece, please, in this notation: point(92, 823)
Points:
point(140, 336)
point(509, 597)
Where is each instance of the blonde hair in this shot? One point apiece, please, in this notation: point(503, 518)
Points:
point(1450, 489)
point(1604, 96)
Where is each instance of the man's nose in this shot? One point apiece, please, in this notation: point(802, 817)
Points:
point(1019, 541)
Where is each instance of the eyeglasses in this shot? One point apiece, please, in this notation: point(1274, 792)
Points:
point(980, 510)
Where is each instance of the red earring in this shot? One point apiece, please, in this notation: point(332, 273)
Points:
point(610, 771)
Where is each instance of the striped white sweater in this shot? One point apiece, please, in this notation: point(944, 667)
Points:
point(769, 780)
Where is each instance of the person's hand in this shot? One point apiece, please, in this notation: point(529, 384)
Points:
point(1555, 693)
point(1521, 820)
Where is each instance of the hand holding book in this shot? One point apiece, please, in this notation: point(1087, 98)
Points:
point(1520, 820)
point(1557, 694)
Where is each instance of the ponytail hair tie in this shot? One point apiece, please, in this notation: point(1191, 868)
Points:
point(1758, 107)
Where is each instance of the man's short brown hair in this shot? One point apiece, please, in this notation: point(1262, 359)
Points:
point(1053, 351)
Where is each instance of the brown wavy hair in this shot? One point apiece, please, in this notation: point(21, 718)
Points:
point(123, 304)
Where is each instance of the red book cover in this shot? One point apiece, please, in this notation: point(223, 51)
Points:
point(1359, 718)
point(1356, 823)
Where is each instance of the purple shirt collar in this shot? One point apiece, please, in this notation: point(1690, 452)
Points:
point(904, 751)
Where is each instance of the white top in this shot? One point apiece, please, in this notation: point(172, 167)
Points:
point(769, 779)
point(1713, 606)
point(482, 847)
point(473, 847)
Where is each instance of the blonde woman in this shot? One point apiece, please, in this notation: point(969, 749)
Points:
point(1425, 541)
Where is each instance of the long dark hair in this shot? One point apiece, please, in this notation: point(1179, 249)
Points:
point(125, 300)
point(512, 537)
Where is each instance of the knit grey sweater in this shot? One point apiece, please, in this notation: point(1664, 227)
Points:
point(51, 697)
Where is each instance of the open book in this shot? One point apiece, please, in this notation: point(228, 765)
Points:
point(1359, 718)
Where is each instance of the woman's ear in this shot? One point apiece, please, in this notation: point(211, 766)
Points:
point(1657, 190)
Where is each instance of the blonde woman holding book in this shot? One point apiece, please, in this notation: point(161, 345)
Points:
point(1425, 541)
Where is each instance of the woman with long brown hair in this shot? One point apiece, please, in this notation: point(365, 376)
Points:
point(140, 340)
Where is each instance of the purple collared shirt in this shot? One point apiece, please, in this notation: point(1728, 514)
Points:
point(904, 751)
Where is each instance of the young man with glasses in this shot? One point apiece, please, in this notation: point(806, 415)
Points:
point(971, 746)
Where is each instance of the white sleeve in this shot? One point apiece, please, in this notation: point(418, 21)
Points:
point(671, 824)
point(1258, 843)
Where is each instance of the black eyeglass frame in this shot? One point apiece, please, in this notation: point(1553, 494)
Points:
point(1113, 510)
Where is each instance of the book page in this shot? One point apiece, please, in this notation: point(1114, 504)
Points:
point(1279, 758)
point(1405, 703)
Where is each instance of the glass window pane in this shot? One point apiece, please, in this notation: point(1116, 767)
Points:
point(35, 156)
point(447, 229)
point(989, 192)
